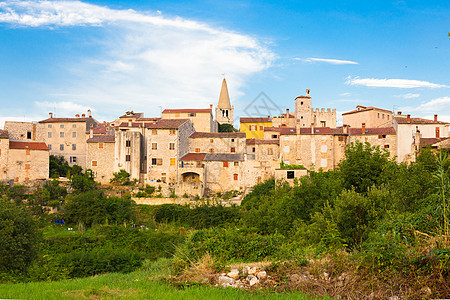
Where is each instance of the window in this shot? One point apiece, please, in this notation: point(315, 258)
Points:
point(382, 116)
point(153, 161)
point(27, 166)
point(154, 146)
point(211, 150)
point(233, 149)
point(74, 146)
point(128, 143)
point(172, 132)
point(197, 149)
point(27, 152)
point(387, 117)
point(73, 159)
point(261, 128)
point(232, 140)
point(274, 136)
point(61, 147)
point(235, 176)
point(301, 103)
point(270, 151)
point(159, 161)
point(290, 174)
point(378, 115)
point(172, 161)
point(49, 147)
point(128, 157)
point(236, 164)
point(225, 164)
point(386, 146)
point(74, 134)
point(61, 134)
point(100, 145)
point(171, 146)
point(191, 114)
point(253, 149)
point(49, 126)
point(323, 123)
point(94, 163)
point(341, 139)
point(211, 141)
point(49, 134)
point(61, 126)
point(27, 178)
point(154, 132)
point(199, 164)
point(74, 125)
point(382, 136)
point(29, 135)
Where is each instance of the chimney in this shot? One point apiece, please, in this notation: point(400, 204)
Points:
point(50, 115)
point(210, 106)
point(399, 113)
point(437, 132)
point(307, 92)
point(89, 113)
point(408, 118)
point(77, 116)
point(287, 113)
point(363, 128)
point(91, 131)
point(83, 115)
point(297, 126)
point(435, 118)
point(345, 128)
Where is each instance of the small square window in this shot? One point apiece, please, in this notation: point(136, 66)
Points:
point(386, 146)
point(154, 146)
point(233, 149)
point(49, 147)
point(74, 146)
point(100, 145)
point(61, 147)
point(28, 152)
point(74, 134)
point(94, 163)
point(154, 131)
point(49, 134)
point(49, 126)
point(171, 146)
point(61, 134)
point(211, 150)
point(232, 140)
point(61, 126)
point(74, 125)
point(127, 157)
point(225, 164)
point(29, 135)
point(159, 161)
point(211, 140)
point(128, 143)
point(290, 174)
point(153, 161)
point(236, 163)
point(261, 128)
point(197, 149)
point(253, 149)
point(172, 132)
point(27, 166)
point(172, 161)
point(73, 159)
point(235, 176)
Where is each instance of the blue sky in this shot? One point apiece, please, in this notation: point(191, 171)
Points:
point(112, 56)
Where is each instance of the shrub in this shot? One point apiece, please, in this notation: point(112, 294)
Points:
point(121, 178)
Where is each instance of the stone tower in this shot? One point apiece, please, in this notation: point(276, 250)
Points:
point(303, 112)
point(224, 110)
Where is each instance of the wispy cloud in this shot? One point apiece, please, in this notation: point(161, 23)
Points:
point(328, 61)
point(434, 106)
point(393, 83)
point(146, 59)
point(408, 96)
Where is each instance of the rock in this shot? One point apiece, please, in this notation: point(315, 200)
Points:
point(225, 281)
point(394, 298)
point(262, 275)
point(372, 296)
point(238, 284)
point(326, 276)
point(254, 281)
point(234, 273)
point(253, 271)
point(245, 271)
point(427, 291)
point(294, 277)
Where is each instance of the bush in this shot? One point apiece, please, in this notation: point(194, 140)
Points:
point(121, 178)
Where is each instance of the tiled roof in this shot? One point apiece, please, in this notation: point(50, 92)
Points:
point(304, 97)
point(187, 110)
point(142, 119)
point(28, 145)
point(403, 120)
point(364, 108)
point(218, 135)
point(60, 120)
point(374, 131)
point(132, 114)
point(277, 129)
point(102, 139)
point(4, 134)
point(262, 142)
point(161, 124)
point(288, 130)
point(224, 157)
point(255, 120)
point(193, 156)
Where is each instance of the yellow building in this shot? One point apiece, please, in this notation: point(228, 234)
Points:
point(254, 127)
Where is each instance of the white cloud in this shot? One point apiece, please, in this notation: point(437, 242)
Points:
point(435, 106)
point(62, 109)
point(408, 96)
point(344, 94)
point(145, 60)
point(328, 60)
point(394, 83)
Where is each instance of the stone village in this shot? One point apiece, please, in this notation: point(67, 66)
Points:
point(184, 150)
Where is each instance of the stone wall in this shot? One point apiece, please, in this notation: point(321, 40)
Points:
point(102, 154)
point(24, 131)
point(27, 165)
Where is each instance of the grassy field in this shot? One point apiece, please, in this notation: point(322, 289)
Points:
point(136, 285)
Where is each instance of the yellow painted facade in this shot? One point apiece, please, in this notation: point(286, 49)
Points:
point(254, 129)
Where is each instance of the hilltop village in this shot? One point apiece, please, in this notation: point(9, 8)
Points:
point(184, 149)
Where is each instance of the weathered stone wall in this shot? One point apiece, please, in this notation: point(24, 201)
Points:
point(127, 152)
point(24, 131)
point(103, 156)
point(218, 145)
point(4, 152)
point(26, 165)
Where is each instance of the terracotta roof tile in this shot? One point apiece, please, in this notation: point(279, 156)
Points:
point(373, 131)
point(224, 157)
point(364, 108)
point(255, 120)
point(4, 134)
point(102, 139)
point(277, 129)
point(28, 145)
point(403, 120)
point(193, 156)
point(161, 124)
point(218, 135)
point(60, 120)
point(287, 130)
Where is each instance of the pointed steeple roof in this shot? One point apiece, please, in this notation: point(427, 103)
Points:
point(224, 98)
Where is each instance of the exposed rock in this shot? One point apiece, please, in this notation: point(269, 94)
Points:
point(262, 275)
point(394, 298)
point(254, 281)
point(234, 273)
point(326, 276)
point(245, 271)
point(294, 277)
point(253, 271)
point(225, 281)
point(427, 291)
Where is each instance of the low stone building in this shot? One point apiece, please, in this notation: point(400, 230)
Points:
point(217, 142)
point(101, 153)
point(372, 117)
point(253, 127)
point(202, 119)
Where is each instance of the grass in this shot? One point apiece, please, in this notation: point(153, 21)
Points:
point(142, 284)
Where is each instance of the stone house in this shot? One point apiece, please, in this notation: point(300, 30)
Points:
point(67, 137)
point(305, 115)
point(383, 137)
point(217, 142)
point(24, 131)
point(101, 153)
point(254, 127)
point(372, 117)
point(202, 119)
point(285, 120)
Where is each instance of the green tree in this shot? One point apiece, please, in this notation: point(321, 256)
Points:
point(363, 166)
point(121, 178)
point(19, 238)
point(58, 166)
point(226, 128)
